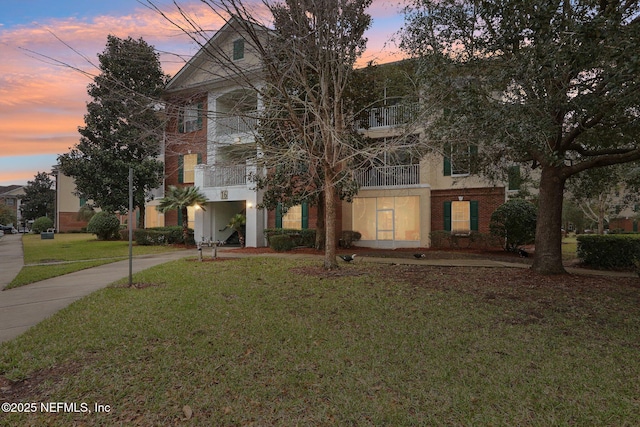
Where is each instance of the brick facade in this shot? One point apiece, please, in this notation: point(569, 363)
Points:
point(489, 199)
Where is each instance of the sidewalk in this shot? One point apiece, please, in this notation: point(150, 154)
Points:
point(23, 307)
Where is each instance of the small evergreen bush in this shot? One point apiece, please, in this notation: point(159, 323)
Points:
point(515, 222)
point(347, 237)
point(105, 226)
point(42, 224)
point(281, 242)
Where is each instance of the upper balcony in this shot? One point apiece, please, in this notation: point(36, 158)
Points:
point(394, 115)
point(389, 176)
point(225, 176)
point(237, 124)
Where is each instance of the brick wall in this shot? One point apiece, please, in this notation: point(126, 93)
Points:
point(489, 198)
point(69, 222)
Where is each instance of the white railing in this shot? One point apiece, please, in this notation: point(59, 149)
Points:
point(388, 116)
point(225, 176)
point(231, 125)
point(388, 176)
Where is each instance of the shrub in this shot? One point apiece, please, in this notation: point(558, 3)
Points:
point(281, 242)
point(162, 236)
point(348, 237)
point(305, 237)
point(515, 222)
point(440, 239)
point(609, 251)
point(41, 224)
point(104, 225)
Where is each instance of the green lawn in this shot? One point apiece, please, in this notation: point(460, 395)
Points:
point(67, 253)
point(264, 341)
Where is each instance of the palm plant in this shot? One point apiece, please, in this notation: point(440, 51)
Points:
point(237, 223)
point(181, 198)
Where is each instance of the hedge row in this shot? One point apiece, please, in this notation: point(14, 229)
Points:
point(305, 237)
point(609, 250)
point(285, 239)
point(162, 236)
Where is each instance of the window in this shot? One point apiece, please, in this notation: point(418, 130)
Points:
point(387, 218)
point(10, 202)
point(460, 159)
point(190, 118)
point(238, 49)
point(461, 216)
point(187, 166)
point(296, 217)
point(293, 218)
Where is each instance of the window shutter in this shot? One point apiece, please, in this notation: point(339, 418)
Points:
point(181, 120)
point(305, 215)
point(514, 177)
point(635, 226)
point(474, 215)
point(180, 169)
point(447, 215)
point(180, 217)
point(238, 49)
point(473, 159)
point(199, 161)
point(279, 215)
point(447, 160)
point(200, 114)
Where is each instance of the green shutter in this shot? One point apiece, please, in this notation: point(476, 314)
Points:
point(279, 215)
point(447, 160)
point(199, 160)
point(181, 120)
point(238, 49)
point(83, 201)
point(200, 114)
point(180, 169)
point(305, 215)
point(474, 215)
point(514, 177)
point(473, 159)
point(180, 217)
point(635, 226)
point(447, 216)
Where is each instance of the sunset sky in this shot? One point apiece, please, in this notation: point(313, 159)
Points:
point(48, 57)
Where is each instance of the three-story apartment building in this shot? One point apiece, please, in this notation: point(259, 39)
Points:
point(400, 199)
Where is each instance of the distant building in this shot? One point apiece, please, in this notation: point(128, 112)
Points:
point(10, 196)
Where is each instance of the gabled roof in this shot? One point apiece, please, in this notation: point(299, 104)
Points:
point(10, 190)
point(232, 28)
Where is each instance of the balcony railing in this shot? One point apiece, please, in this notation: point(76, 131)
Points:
point(225, 176)
point(389, 176)
point(231, 125)
point(388, 116)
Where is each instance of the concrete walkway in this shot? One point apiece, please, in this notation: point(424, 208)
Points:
point(23, 307)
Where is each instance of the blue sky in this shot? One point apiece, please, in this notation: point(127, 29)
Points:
point(43, 104)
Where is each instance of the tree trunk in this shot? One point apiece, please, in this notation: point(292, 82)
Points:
point(320, 229)
point(185, 226)
point(330, 221)
point(141, 217)
point(548, 252)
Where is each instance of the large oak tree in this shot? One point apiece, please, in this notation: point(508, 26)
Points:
point(549, 84)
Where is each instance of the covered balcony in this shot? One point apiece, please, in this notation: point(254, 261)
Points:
point(388, 176)
point(224, 176)
point(394, 115)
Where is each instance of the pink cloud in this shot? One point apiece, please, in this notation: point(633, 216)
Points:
point(46, 67)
